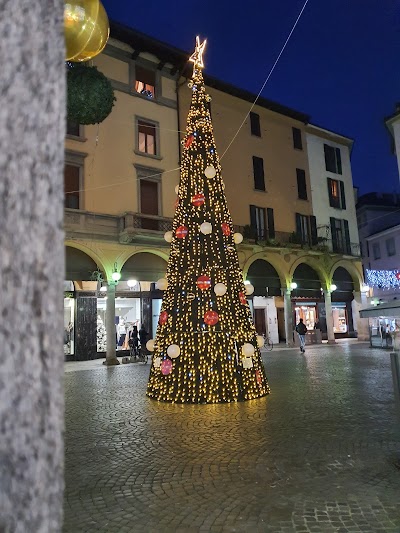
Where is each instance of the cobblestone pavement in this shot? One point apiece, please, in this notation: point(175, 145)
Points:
point(317, 455)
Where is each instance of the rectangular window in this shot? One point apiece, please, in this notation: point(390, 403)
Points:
point(258, 222)
point(145, 81)
point(301, 184)
point(376, 250)
point(258, 170)
point(74, 129)
point(149, 203)
point(255, 124)
point(340, 236)
point(147, 137)
point(333, 159)
point(337, 197)
point(303, 228)
point(390, 247)
point(72, 182)
point(297, 141)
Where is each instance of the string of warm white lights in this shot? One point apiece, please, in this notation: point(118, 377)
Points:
point(206, 348)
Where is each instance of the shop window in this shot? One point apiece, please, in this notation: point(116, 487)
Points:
point(333, 159)
point(127, 314)
point(147, 138)
point(308, 313)
point(390, 247)
point(145, 81)
point(339, 318)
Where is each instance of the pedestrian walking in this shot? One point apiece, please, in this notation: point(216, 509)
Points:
point(143, 336)
point(301, 331)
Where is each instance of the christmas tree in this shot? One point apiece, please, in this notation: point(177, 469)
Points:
point(206, 349)
point(101, 335)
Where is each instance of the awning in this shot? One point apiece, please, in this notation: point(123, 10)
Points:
point(390, 309)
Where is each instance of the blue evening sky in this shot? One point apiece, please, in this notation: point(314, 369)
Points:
point(341, 66)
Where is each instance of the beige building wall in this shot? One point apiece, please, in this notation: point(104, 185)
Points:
point(275, 146)
point(110, 149)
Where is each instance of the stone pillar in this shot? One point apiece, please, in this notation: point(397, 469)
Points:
point(329, 318)
point(32, 132)
point(287, 305)
point(111, 357)
point(361, 325)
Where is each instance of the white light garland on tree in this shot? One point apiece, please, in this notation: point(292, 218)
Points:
point(383, 279)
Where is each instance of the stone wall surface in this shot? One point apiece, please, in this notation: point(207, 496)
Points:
point(32, 128)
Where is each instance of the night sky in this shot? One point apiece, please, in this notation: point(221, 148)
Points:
point(341, 66)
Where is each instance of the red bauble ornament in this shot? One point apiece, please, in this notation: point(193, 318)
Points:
point(189, 141)
point(211, 318)
point(258, 377)
point(181, 232)
point(242, 298)
point(198, 199)
point(166, 367)
point(226, 230)
point(162, 319)
point(398, 275)
point(204, 283)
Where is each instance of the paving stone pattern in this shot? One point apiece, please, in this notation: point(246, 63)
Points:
point(317, 455)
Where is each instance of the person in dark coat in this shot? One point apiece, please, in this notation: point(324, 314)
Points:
point(143, 336)
point(301, 331)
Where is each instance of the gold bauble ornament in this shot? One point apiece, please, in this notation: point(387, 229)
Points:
point(86, 29)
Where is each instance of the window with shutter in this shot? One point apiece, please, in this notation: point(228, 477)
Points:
point(147, 137)
point(271, 223)
point(297, 141)
point(313, 230)
point(72, 180)
point(302, 228)
point(337, 197)
point(258, 171)
point(255, 124)
point(258, 222)
point(301, 184)
point(145, 81)
point(333, 160)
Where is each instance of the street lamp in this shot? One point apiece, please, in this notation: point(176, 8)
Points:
point(364, 288)
point(116, 276)
point(131, 283)
point(293, 285)
point(333, 287)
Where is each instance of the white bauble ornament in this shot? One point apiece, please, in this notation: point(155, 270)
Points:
point(210, 172)
point(173, 351)
point(260, 341)
point(150, 345)
point(168, 236)
point(249, 289)
point(247, 362)
point(238, 238)
point(220, 289)
point(247, 349)
point(162, 284)
point(206, 228)
point(157, 362)
point(177, 189)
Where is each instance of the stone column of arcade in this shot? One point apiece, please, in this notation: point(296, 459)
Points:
point(329, 317)
point(362, 326)
point(111, 357)
point(287, 306)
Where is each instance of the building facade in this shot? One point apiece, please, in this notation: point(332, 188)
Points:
point(120, 184)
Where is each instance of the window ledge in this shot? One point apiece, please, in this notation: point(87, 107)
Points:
point(259, 190)
point(76, 138)
point(151, 156)
point(303, 199)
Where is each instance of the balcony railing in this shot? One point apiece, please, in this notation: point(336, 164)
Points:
point(294, 240)
point(138, 227)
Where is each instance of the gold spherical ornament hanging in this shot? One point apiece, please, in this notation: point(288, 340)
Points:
point(86, 29)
